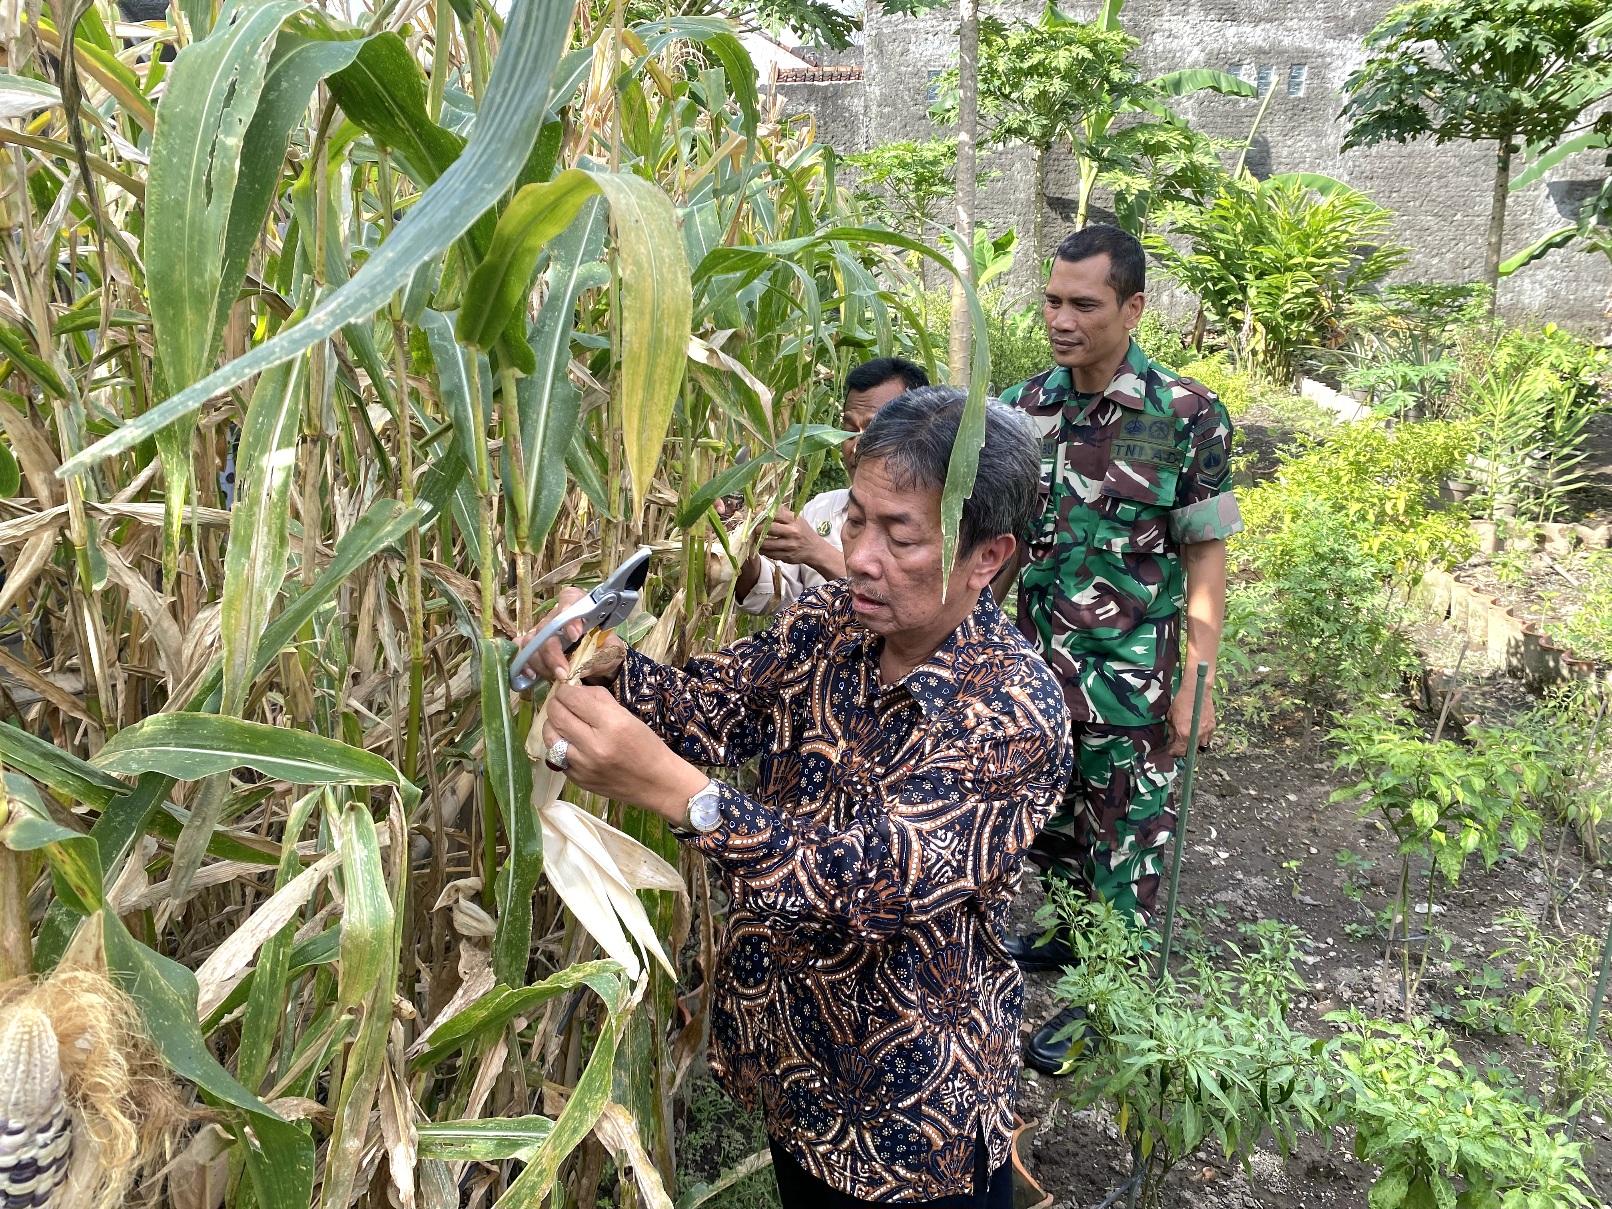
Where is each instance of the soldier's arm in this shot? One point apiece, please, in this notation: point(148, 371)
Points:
point(1205, 566)
point(1204, 516)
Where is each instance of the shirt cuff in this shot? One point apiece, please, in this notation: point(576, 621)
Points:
point(1213, 519)
point(748, 834)
point(761, 599)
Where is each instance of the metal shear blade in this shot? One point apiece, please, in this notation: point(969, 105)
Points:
point(606, 607)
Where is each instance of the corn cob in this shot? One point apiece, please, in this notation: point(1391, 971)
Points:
point(35, 1126)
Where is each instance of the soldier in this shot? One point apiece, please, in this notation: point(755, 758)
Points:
point(1135, 467)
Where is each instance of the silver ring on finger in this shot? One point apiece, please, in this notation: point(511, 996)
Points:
point(557, 757)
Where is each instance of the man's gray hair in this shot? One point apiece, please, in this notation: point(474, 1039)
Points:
point(912, 437)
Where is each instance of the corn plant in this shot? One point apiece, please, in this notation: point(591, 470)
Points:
point(329, 350)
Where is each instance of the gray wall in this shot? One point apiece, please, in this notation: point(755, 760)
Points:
point(1440, 195)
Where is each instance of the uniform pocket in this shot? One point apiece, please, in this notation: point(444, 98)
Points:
point(1136, 498)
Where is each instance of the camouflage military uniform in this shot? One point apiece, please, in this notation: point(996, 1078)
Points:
point(1129, 476)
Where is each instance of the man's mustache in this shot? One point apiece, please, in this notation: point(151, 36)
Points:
point(864, 589)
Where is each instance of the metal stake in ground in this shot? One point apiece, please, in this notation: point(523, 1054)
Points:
point(1187, 768)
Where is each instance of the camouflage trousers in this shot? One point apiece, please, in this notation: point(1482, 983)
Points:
point(1110, 834)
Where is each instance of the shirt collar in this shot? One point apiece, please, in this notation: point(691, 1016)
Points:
point(1128, 389)
point(933, 683)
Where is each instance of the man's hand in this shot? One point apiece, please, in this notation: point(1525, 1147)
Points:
point(612, 753)
point(549, 660)
point(1180, 719)
point(792, 540)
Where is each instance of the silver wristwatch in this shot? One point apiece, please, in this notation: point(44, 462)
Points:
point(705, 810)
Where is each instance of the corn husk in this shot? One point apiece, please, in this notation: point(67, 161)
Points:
point(594, 868)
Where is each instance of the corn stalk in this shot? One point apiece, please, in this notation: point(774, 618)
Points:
point(328, 353)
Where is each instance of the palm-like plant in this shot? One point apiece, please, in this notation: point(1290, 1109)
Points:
point(1275, 262)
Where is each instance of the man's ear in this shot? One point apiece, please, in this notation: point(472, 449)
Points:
point(989, 558)
point(1131, 309)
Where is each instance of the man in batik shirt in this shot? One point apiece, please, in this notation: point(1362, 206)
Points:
point(910, 743)
point(1136, 471)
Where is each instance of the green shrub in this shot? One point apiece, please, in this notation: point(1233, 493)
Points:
point(1383, 481)
point(1550, 1009)
point(1162, 340)
point(1275, 264)
point(1206, 1057)
point(1444, 1135)
point(1321, 590)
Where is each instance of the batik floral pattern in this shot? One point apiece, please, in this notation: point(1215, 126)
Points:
point(863, 998)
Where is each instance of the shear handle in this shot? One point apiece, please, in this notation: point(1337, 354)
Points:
point(587, 609)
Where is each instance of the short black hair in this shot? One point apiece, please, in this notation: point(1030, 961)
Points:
point(913, 436)
point(1127, 263)
point(881, 369)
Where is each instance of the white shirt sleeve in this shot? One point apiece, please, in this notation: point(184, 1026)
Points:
point(778, 583)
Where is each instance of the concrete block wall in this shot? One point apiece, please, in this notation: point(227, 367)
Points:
point(1440, 195)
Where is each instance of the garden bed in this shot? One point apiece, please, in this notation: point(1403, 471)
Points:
point(1537, 599)
point(1265, 842)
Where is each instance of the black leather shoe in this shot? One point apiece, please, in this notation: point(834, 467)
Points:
point(1053, 955)
point(1047, 1050)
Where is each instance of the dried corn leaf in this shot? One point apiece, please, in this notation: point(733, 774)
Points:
point(227, 965)
point(596, 869)
point(619, 1133)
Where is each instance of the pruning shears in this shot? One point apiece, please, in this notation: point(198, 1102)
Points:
point(606, 607)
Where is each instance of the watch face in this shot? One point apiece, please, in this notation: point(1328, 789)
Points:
point(705, 811)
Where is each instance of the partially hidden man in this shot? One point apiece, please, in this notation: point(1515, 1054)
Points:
point(1131, 541)
point(910, 744)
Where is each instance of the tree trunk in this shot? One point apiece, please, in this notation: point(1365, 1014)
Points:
point(1038, 204)
point(1497, 218)
point(968, 44)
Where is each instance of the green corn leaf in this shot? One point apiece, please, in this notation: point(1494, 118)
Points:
point(797, 442)
point(383, 91)
point(306, 50)
point(587, 1101)
point(10, 473)
point(383, 525)
point(511, 112)
point(265, 1003)
point(510, 773)
point(656, 298)
point(57, 769)
point(123, 820)
point(190, 746)
point(14, 347)
point(502, 1004)
point(75, 866)
point(453, 379)
point(548, 401)
point(368, 974)
point(260, 523)
point(502, 279)
point(484, 1141)
point(656, 310)
point(211, 96)
point(720, 37)
point(279, 1156)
